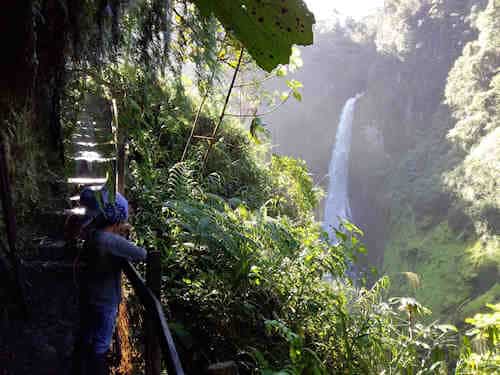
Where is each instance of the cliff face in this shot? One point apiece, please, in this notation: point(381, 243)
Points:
point(427, 200)
point(31, 85)
point(425, 154)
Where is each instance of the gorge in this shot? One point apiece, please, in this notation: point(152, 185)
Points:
point(390, 121)
point(424, 165)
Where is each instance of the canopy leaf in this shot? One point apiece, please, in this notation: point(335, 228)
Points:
point(257, 128)
point(267, 29)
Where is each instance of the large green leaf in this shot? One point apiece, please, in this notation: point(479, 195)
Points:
point(267, 28)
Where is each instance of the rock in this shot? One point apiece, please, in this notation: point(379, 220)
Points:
point(223, 368)
point(47, 354)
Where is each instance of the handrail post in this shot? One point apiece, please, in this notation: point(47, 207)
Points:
point(148, 299)
point(152, 344)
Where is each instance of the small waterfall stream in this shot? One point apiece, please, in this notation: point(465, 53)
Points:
point(337, 203)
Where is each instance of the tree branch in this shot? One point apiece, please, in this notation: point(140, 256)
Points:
point(203, 100)
point(263, 113)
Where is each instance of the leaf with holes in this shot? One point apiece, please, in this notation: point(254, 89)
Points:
point(267, 28)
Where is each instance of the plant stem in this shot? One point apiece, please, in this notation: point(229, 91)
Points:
point(197, 116)
point(221, 117)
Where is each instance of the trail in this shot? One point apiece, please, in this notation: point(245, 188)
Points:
point(92, 152)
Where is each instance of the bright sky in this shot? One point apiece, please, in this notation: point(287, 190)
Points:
point(352, 8)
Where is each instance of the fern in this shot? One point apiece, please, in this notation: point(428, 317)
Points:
point(181, 183)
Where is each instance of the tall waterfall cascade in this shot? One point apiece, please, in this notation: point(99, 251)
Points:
point(337, 205)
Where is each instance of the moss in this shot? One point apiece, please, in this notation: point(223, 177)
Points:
point(478, 304)
point(484, 252)
point(448, 267)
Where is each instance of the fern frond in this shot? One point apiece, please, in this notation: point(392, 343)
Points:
point(181, 183)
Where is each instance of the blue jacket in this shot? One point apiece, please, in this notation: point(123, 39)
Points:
point(101, 282)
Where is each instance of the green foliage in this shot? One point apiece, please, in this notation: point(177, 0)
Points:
point(257, 284)
point(397, 31)
point(439, 256)
point(29, 173)
point(473, 92)
point(268, 30)
point(293, 190)
point(244, 261)
point(477, 304)
point(431, 257)
point(444, 193)
point(473, 84)
point(245, 280)
point(481, 347)
point(24, 163)
point(257, 127)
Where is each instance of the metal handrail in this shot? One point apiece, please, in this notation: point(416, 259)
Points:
point(153, 306)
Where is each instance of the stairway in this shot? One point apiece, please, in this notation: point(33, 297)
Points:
point(43, 344)
point(91, 152)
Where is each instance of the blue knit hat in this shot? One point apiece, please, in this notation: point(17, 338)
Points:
point(97, 202)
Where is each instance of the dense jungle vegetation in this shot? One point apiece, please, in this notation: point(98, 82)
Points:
point(244, 256)
point(424, 196)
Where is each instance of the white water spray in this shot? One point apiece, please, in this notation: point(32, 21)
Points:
point(337, 202)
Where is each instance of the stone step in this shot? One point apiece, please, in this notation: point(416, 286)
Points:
point(52, 250)
point(51, 223)
point(88, 147)
point(88, 169)
point(43, 344)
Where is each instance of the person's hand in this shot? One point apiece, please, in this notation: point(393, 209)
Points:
point(123, 229)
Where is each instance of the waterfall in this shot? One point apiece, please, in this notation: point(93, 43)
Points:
point(337, 202)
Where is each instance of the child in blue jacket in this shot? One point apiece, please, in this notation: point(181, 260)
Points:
point(100, 286)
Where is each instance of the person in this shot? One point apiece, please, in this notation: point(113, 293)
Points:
point(105, 249)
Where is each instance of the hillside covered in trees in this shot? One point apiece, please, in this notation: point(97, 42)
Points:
point(173, 104)
point(424, 159)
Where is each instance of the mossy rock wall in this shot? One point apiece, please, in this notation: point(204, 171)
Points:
point(31, 85)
